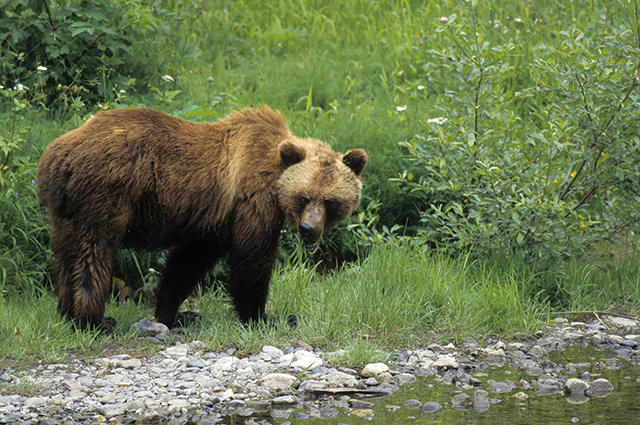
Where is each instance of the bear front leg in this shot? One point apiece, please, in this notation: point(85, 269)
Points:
point(250, 269)
point(186, 266)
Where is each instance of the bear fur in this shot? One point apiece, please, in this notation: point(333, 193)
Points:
point(145, 179)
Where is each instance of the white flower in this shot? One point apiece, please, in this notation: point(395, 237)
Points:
point(518, 20)
point(20, 87)
point(122, 91)
point(168, 78)
point(437, 121)
point(42, 68)
point(421, 87)
point(401, 108)
point(444, 19)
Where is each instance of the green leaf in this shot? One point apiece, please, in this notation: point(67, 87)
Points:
point(309, 99)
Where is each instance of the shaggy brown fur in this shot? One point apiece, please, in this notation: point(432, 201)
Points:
point(142, 178)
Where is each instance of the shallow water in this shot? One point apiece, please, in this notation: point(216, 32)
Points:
point(622, 406)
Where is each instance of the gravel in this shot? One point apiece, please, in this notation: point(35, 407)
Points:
point(187, 384)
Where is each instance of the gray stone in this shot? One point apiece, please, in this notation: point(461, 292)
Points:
point(405, 378)
point(481, 401)
point(431, 406)
point(360, 404)
point(600, 388)
point(546, 385)
point(385, 378)
point(286, 399)
point(446, 361)
point(148, 328)
point(461, 402)
point(197, 363)
point(501, 386)
point(412, 404)
point(575, 386)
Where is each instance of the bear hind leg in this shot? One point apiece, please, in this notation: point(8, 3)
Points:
point(93, 285)
point(186, 266)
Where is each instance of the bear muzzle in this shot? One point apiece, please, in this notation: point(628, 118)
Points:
point(311, 228)
point(308, 235)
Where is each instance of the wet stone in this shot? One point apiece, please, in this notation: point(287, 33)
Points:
point(360, 404)
point(575, 386)
point(600, 388)
point(461, 402)
point(500, 387)
point(412, 404)
point(431, 406)
point(481, 401)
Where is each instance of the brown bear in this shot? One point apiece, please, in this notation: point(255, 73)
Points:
point(146, 179)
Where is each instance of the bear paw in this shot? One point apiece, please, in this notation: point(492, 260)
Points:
point(186, 318)
point(108, 325)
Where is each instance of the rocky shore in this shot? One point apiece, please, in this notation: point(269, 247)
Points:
point(186, 384)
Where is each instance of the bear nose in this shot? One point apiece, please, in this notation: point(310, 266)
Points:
point(306, 231)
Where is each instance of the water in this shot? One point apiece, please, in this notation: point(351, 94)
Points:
point(620, 407)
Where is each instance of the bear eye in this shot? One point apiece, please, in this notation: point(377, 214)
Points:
point(330, 205)
point(303, 201)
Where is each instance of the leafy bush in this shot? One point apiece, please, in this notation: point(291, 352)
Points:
point(547, 168)
point(74, 50)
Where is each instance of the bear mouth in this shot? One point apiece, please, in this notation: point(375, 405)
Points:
point(311, 249)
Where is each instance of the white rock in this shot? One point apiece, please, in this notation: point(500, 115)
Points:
point(273, 352)
point(129, 364)
point(110, 411)
point(35, 402)
point(227, 364)
point(177, 350)
point(277, 381)
point(374, 369)
point(446, 361)
point(178, 404)
point(305, 360)
point(285, 399)
point(620, 322)
point(341, 379)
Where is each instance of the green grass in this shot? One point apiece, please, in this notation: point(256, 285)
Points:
point(399, 297)
point(338, 70)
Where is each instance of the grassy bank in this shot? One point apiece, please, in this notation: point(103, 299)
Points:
point(398, 297)
point(502, 144)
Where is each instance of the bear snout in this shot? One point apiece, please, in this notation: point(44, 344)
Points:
point(306, 231)
point(310, 237)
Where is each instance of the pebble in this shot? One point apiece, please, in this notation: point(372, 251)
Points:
point(185, 383)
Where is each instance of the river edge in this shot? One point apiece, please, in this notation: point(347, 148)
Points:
point(186, 384)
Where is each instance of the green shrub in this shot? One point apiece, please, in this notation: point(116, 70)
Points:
point(548, 167)
point(74, 50)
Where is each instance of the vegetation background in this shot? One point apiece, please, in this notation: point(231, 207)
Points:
point(502, 186)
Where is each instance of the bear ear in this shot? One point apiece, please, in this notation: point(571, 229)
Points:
point(356, 160)
point(291, 153)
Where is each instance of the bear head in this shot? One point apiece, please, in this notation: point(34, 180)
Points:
point(318, 187)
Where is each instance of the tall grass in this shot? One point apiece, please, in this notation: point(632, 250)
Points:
point(399, 297)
